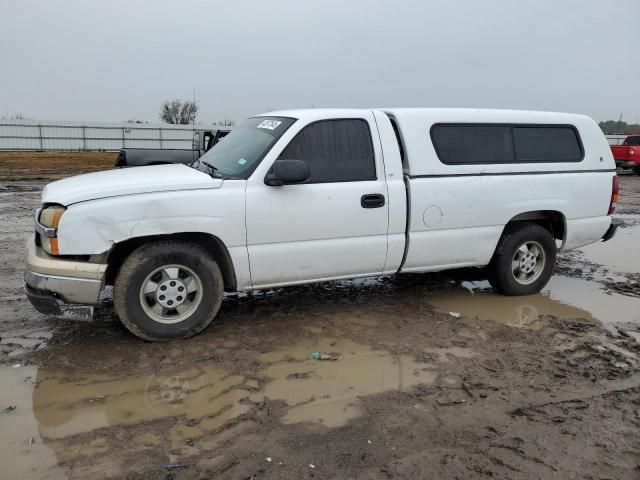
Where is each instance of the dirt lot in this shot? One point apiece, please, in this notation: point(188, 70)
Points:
point(437, 378)
point(51, 165)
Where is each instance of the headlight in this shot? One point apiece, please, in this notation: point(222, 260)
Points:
point(47, 222)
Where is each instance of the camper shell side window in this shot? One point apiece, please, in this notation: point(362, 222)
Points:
point(470, 144)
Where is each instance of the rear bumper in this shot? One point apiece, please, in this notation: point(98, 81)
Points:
point(626, 164)
point(611, 231)
point(60, 287)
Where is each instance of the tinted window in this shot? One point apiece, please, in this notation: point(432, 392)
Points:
point(334, 151)
point(632, 140)
point(546, 144)
point(494, 144)
point(464, 144)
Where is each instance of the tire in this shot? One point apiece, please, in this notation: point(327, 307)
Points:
point(515, 270)
point(183, 290)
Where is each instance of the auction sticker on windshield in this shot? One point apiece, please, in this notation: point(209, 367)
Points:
point(269, 124)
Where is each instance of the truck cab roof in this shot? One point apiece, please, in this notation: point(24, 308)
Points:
point(488, 115)
point(414, 127)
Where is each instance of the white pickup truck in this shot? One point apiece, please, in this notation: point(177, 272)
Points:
point(322, 194)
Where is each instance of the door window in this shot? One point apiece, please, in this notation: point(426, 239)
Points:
point(338, 150)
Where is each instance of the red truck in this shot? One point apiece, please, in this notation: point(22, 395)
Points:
point(627, 155)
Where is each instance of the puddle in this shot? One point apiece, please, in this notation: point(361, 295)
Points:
point(521, 312)
point(611, 309)
point(20, 457)
point(563, 297)
point(56, 407)
point(61, 408)
point(99, 401)
point(619, 253)
point(327, 392)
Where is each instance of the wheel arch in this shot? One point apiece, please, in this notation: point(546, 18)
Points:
point(504, 276)
point(218, 250)
point(553, 220)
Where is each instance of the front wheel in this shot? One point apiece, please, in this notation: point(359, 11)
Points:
point(166, 290)
point(523, 261)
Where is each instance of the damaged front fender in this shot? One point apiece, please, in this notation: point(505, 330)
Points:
point(94, 227)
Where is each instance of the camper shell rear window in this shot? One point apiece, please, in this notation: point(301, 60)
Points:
point(470, 144)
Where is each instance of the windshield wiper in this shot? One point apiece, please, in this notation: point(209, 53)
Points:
point(213, 172)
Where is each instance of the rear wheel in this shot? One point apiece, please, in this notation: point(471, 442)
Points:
point(168, 290)
point(523, 261)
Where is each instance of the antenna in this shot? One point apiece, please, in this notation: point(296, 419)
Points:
point(193, 128)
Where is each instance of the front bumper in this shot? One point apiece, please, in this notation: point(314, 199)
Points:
point(60, 287)
point(50, 305)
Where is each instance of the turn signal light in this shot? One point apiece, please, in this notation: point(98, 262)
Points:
point(50, 218)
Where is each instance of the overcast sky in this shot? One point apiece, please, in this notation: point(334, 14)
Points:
point(120, 59)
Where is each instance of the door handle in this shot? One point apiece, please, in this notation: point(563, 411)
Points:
point(372, 200)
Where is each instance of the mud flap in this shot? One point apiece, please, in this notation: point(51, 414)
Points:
point(611, 231)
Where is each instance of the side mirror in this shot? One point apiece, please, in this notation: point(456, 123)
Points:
point(285, 172)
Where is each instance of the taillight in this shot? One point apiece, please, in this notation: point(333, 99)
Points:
point(615, 190)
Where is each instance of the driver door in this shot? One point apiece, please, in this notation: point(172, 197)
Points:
point(334, 225)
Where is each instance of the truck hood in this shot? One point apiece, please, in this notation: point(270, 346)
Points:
point(128, 181)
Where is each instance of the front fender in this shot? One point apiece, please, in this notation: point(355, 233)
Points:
point(93, 227)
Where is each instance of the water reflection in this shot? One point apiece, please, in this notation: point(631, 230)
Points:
point(563, 297)
point(82, 416)
point(67, 403)
point(328, 392)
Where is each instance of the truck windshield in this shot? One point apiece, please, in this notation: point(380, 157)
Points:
point(635, 140)
point(237, 154)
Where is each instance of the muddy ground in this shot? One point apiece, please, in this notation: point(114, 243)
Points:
point(437, 377)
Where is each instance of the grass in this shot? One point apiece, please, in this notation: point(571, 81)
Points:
point(15, 166)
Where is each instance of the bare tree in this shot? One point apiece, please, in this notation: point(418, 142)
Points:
point(178, 112)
